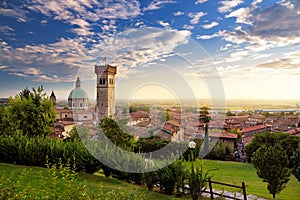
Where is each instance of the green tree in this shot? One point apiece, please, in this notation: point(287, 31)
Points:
point(203, 117)
point(288, 142)
point(110, 128)
point(271, 163)
point(230, 114)
point(296, 164)
point(31, 112)
point(203, 114)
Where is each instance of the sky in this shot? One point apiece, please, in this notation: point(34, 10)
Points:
point(230, 49)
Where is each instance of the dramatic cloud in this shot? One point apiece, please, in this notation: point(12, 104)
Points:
point(54, 62)
point(140, 46)
point(211, 25)
point(195, 17)
point(276, 26)
point(157, 4)
point(14, 12)
point(200, 1)
point(242, 15)
point(235, 56)
point(86, 9)
point(227, 5)
point(179, 13)
point(278, 21)
point(164, 24)
point(207, 37)
point(289, 61)
point(6, 30)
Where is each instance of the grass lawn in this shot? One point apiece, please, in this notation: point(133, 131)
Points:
point(236, 172)
point(228, 172)
point(94, 183)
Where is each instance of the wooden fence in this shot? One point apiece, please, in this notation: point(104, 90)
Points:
point(210, 182)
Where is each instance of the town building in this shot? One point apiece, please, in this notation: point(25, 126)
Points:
point(53, 97)
point(78, 102)
point(105, 90)
point(4, 101)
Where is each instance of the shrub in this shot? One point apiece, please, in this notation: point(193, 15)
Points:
point(197, 181)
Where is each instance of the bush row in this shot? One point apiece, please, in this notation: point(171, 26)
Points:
point(23, 150)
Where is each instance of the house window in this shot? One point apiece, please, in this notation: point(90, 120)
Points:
point(66, 116)
point(85, 117)
point(73, 104)
point(80, 105)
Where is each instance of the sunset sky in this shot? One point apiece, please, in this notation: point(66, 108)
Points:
point(177, 48)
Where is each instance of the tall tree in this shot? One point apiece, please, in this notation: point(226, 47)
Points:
point(296, 164)
point(290, 143)
point(203, 117)
point(31, 113)
point(271, 163)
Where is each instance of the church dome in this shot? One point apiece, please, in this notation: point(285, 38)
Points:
point(78, 93)
point(78, 98)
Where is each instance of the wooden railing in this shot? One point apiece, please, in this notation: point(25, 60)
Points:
point(210, 182)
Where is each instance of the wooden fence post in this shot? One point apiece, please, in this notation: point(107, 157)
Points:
point(244, 190)
point(210, 189)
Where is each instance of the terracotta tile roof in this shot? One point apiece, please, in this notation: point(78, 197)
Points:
point(253, 128)
point(174, 122)
point(63, 111)
point(139, 114)
point(222, 134)
point(171, 126)
point(237, 117)
point(215, 134)
point(293, 131)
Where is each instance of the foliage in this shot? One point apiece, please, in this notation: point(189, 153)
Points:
point(221, 151)
point(296, 164)
point(230, 114)
point(197, 181)
point(149, 179)
point(164, 115)
point(285, 140)
point(24, 150)
point(134, 108)
point(146, 145)
point(116, 135)
point(31, 113)
point(167, 179)
point(271, 163)
point(203, 114)
point(181, 175)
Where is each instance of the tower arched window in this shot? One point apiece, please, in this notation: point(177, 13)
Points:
point(104, 81)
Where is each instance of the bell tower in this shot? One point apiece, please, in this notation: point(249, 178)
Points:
point(105, 90)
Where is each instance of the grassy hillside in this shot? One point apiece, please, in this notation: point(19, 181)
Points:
point(31, 179)
point(26, 181)
point(235, 173)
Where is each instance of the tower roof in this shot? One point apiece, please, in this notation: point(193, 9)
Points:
point(78, 82)
point(52, 95)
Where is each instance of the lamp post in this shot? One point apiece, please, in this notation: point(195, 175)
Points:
point(192, 146)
